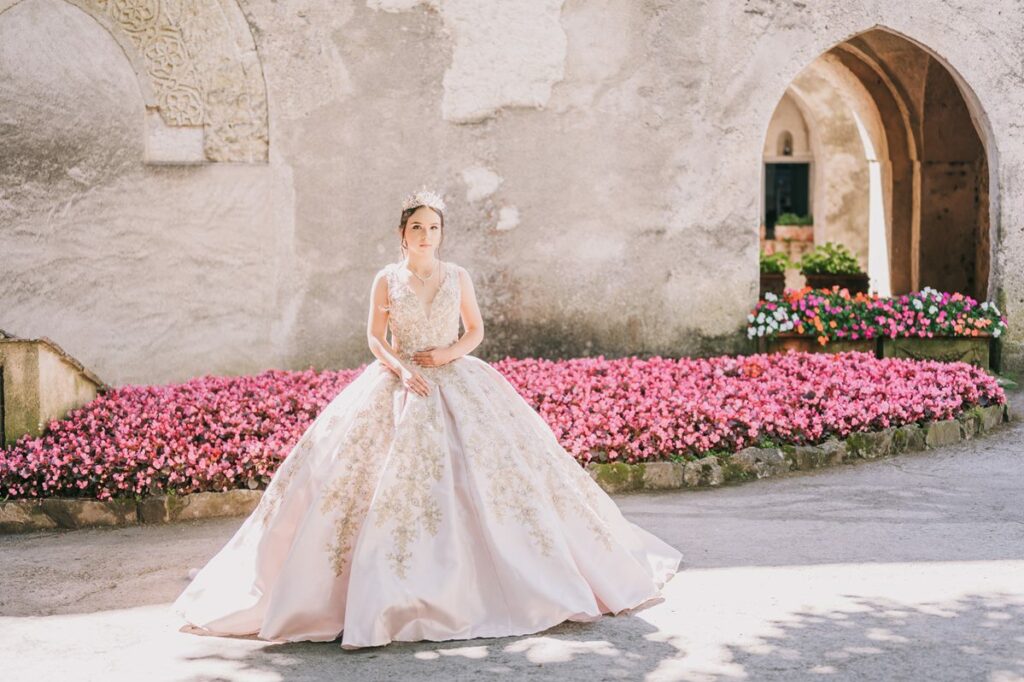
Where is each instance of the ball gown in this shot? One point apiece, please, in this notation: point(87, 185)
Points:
point(400, 517)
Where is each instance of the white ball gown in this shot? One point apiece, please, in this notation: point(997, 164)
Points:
point(399, 517)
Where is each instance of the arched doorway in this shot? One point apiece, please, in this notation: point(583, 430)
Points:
point(897, 166)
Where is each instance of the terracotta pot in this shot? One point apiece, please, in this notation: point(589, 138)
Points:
point(796, 233)
point(856, 284)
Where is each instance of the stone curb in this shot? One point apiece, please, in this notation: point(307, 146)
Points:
point(18, 516)
point(755, 463)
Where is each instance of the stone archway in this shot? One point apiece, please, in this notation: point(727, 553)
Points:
point(924, 140)
point(199, 75)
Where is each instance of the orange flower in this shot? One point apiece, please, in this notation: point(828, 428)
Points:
point(794, 295)
point(832, 324)
point(823, 340)
point(752, 369)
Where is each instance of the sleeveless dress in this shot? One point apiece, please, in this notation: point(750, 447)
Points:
point(399, 517)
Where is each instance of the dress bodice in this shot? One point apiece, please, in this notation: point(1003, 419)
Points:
point(415, 327)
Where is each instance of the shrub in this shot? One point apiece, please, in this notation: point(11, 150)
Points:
point(775, 263)
point(831, 259)
point(794, 219)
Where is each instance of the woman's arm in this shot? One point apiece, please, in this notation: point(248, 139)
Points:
point(377, 326)
point(471, 320)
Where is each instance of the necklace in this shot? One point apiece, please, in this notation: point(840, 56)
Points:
point(422, 279)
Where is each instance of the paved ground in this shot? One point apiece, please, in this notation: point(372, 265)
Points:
point(906, 568)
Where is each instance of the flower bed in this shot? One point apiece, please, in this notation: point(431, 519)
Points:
point(209, 433)
point(218, 433)
point(835, 315)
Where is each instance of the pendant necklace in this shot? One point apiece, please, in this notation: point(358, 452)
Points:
point(422, 279)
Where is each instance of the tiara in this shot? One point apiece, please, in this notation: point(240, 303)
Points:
point(423, 197)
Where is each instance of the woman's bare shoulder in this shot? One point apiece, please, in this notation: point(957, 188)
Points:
point(457, 268)
point(382, 278)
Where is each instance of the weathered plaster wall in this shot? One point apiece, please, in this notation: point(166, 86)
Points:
point(142, 272)
point(954, 201)
point(602, 162)
point(841, 167)
point(787, 118)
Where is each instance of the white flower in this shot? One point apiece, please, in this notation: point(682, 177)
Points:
point(932, 309)
point(769, 296)
point(750, 318)
point(751, 332)
point(760, 318)
point(984, 305)
point(996, 332)
point(760, 331)
point(917, 303)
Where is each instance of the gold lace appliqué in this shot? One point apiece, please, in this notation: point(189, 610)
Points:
point(510, 492)
point(412, 328)
point(417, 462)
point(349, 494)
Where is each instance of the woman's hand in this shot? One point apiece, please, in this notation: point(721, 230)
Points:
point(414, 381)
point(432, 357)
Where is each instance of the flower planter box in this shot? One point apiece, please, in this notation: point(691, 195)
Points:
point(798, 319)
point(856, 284)
point(975, 350)
point(809, 344)
point(774, 282)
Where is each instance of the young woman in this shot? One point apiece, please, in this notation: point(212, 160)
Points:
point(428, 500)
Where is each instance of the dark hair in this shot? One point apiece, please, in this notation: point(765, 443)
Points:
point(406, 214)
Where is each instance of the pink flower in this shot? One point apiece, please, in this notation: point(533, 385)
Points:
point(216, 433)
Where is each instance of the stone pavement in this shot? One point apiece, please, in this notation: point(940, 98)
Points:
point(910, 567)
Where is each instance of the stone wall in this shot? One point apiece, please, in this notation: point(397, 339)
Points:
point(601, 161)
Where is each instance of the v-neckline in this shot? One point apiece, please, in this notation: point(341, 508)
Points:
point(419, 302)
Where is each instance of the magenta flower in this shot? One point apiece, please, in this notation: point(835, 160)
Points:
point(218, 433)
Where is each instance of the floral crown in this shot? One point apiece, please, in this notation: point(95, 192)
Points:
point(423, 197)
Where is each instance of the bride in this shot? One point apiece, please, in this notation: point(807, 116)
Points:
point(428, 500)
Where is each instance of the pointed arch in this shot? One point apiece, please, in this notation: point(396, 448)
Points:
point(937, 157)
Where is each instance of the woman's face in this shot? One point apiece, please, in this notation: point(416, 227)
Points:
point(423, 230)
